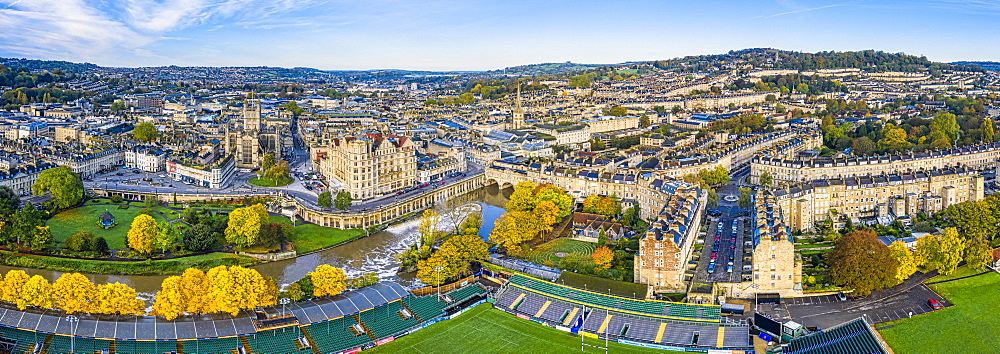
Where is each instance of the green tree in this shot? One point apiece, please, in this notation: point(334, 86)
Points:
point(145, 132)
point(118, 106)
point(580, 81)
point(100, 246)
point(617, 111)
point(266, 162)
point(863, 146)
point(42, 238)
point(62, 183)
point(644, 121)
point(975, 219)
point(343, 200)
point(861, 262)
point(745, 197)
point(9, 200)
point(80, 241)
point(946, 124)
point(942, 252)
point(165, 237)
point(24, 224)
point(978, 254)
point(293, 107)
point(200, 237)
point(766, 179)
point(597, 145)
point(325, 199)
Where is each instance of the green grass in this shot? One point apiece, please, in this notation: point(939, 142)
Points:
point(278, 219)
point(959, 272)
point(813, 245)
point(971, 326)
point(260, 182)
point(545, 254)
point(602, 285)
point(311, 237)
point(484, 329)
point(85, 218)
point(149, 267)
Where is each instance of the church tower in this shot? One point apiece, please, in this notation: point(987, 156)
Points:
point(518, 117)
point(251, 115)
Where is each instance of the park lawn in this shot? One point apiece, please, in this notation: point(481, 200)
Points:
point(959, 272)
point(971, 326)
point(278, 219)
point(485, 329)
point(148, 267)
point(85, 218)
point(813, 245)
point(261, 182)
point(545, 254)
point(311, 237)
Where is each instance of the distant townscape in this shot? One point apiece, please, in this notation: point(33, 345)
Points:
point(757, 200)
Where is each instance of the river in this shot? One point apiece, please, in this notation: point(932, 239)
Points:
point(375, 253)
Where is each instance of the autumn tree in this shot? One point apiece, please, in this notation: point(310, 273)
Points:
point(142, 235)
point(328, 280)
point(978, 254)
point(13, 285)
point(907, 261)
point(604, 205)
point(942, 252)
point(244, 225)
point(117, 299)
point(523, 197)
point(545, 213)
point(861, 262)
point(36, 292)
point(42, 237)
point(62, 183)
point(514, 228)
point(463, 249)
point(602, 257)
point(428, 228)
point(194, 290)
point(165, 237)
point(73, 292)
point(436, 270)
point(235, 288)
point(169, 301)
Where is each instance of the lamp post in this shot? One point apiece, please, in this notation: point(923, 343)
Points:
point(284, 301)
point(437, 272)
point(72, 325)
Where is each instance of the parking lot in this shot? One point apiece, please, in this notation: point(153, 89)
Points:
point(905, 300)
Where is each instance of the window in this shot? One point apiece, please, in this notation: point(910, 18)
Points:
point(658, 253)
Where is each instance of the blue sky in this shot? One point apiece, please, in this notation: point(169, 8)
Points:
point(479, 35)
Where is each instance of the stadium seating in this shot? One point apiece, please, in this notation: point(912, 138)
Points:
point(211, 345)
point(385, 320)
point(135, 346)
point(425, 307)
point(850, 337)
point(466, 292)
point(63, 344)
point(335, 335)
point(276, 341)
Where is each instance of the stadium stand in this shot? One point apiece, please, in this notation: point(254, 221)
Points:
point(335, 335)
point(388, 319)
point(277, 341)
point(854, 337)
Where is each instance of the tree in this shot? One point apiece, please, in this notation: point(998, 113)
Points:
point(79, 241)
point(942, 251)
point(603, 205)
point(713, 198)
point(367, 279)
point(194, 289)
point(245, 223)
point(766, 179)
point(557, 196)
point(617, 111)
point(142, 235)
point(863, 146)
point(36, 292)
point(523, 197)
point(894, 139)
point(118, 106)
point(293, 107)
point(24, 224)
point(631, 218)
point(165, 237)
point(200, 237)
point(42, 238)
point(328, 280)
point(145, 132)
point(435, 270)
point(463, 249)
point(73, 292)
point(9, 200)
point(343, 200)
point(597, 145)
point(100, 246)
point(64, 185)
point(644, 121)
point(294, 292)
point(978, 254)
point(325, 199)
point(602, 257)
point(235, 288)
point(118, 299)
point(907, 261)
point(428, 228)
point(266, 162)
point(545, 214)
point(746, 195)
point(987, 127)
point(861, 262)
point(273, 233)
point(514, 228)
point(13, 286)
point(945, 124)
point(975, 219)
point(717, 176)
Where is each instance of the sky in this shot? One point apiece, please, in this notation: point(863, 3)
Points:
point(480, 35)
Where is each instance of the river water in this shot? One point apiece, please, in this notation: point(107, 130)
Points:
point(375, 253)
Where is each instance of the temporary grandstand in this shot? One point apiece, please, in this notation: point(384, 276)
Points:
point(358, 319)
point(854, 337)
point(620, 318)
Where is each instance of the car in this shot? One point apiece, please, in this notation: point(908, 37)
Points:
point(119, 174)
point(714, 253)
point(711, 268)
point(712, 257)
point(933, 304)
point(842, 296)
point(729, 269)
point(732, 246)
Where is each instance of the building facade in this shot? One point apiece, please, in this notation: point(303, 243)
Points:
point(369, 165)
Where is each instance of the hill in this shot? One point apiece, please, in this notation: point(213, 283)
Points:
point(988, 65)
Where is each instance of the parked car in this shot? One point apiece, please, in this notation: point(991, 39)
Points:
point(841, 296)
point(933, 304)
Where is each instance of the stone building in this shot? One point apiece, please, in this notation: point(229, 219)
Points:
point(664, 249)
point(257, 137)
point(369, 165)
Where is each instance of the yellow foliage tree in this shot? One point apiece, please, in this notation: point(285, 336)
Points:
point(235, 288)
point(602, 257)
point(245, 223)
point(13, 284)
point(142, 235)
point(435, 270)
point(221, 293)
point(907, 261)
point(193, 288)
point(328, 280)
point(36, 292)
point(73, 292)
point(118, 298)
point(514, 228)
point(546, 212)
point(169, 301)
point(523, 197)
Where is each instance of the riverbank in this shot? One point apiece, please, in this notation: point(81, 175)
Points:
point(146, 267)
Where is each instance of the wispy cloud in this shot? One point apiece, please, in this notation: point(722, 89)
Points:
point(800, 11)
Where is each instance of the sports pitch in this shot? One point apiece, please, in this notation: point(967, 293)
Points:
point(971, 326)
point(487, 330)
